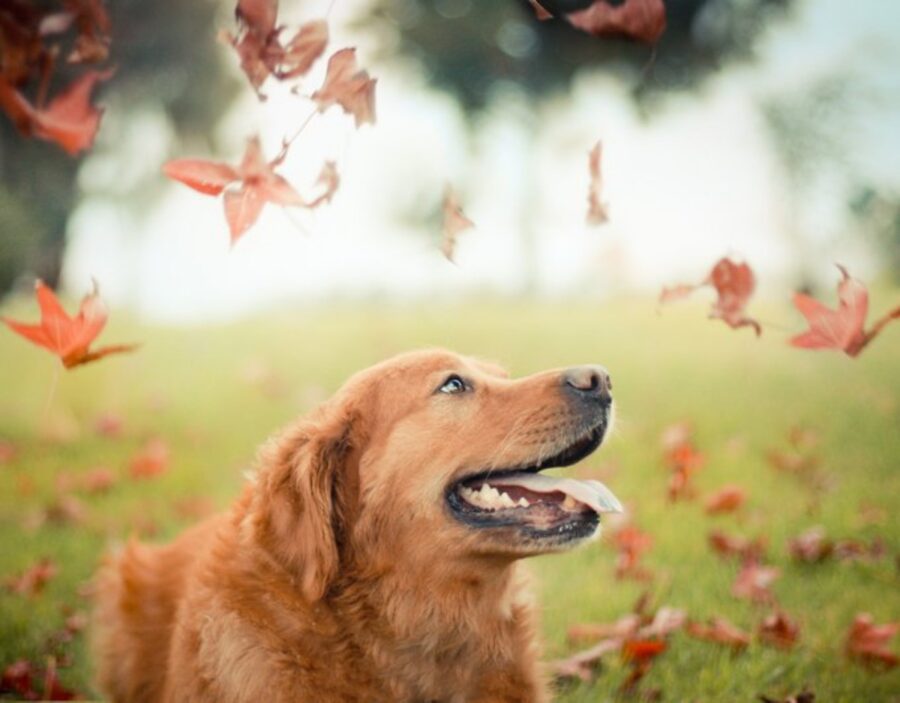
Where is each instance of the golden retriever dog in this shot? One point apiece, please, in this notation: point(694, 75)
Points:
point(373, 556)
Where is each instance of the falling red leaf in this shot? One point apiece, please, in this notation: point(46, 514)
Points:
point(301, 52)
point(68, 337)
point(631, 544)
point(805, 696)
point(329, 179)
point(779, 630)
point(811, 546)
point(725, 500)
point(151, 460)
point(455, 222)
point(69, 119)
point(868, 642)
point(740, 547)
point(754, 582)
point(259, 47)
point(541, 12)
point(597, 213)
point(734, 283)
point(641, 20)
point(348, 86)
point(842, 328)
point(247, 188)
point(32, 581)
point(677, 292)
point(721, 631)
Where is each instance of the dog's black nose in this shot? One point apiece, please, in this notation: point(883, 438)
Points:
point(590, 383)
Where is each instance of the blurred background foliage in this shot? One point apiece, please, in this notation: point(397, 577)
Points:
point(166, 61)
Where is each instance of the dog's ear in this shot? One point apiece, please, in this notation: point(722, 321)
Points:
point(303, 497)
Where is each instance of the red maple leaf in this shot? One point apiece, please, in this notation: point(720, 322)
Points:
point(631, 544)
point(868, 642)
point(721, 631)
point(69, 119)
point(842, 328)
point(811, 546)
point(455, 222)
point(260, 49)
point(725, 500)
point(734, 546)
point(348, 86)
point(32, 581)
point(69, 338)
point(733, 282)
point(597, 213)
point(641, 20)
point(779, 630)
point(754, 582)
point(247, 188)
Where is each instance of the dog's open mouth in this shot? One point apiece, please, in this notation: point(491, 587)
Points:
point(543, 507)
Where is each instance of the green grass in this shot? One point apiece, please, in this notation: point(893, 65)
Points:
point(195, 388)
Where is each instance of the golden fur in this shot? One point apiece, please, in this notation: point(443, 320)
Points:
point(338, 574)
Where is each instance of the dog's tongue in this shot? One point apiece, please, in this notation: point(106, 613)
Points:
point(592, 493)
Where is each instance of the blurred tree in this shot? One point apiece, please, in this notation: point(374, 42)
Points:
point(879, 215)
point(468, 46)
point(166, 59)
point(477, 50)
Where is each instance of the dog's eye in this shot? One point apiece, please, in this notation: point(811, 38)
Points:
point(454, 384)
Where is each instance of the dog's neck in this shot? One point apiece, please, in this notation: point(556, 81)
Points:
point(437, 620)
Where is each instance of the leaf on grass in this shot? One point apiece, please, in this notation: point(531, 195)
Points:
point(348, 86)
point(455, 222)
point(631, 544)
point(842, 328)
point(32, 581)
point(27, 682)
point(69, 338)
point(720, 631)
point(726, 500)
point(640, 20)
point(109, 424)
point(741, 547)
point(151, 460)
point(754, 582)
point(624, 626)
point(734, 283)
point(98, 480)
point(868, 642)
point(805, 696)
point(69, 120)
point(779, 630)
point(8, 452)
point(65, 510)
point(597, 213)
point(247, 188)
point(811, 546)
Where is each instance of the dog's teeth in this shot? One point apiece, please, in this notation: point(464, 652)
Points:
point(523, 503)
point(570, 503)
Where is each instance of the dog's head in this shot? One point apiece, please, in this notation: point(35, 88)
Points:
point(434, 458)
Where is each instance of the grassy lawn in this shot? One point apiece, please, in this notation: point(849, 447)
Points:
point(213, 393)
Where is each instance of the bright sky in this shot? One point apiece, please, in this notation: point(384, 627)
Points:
point(699, 181)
